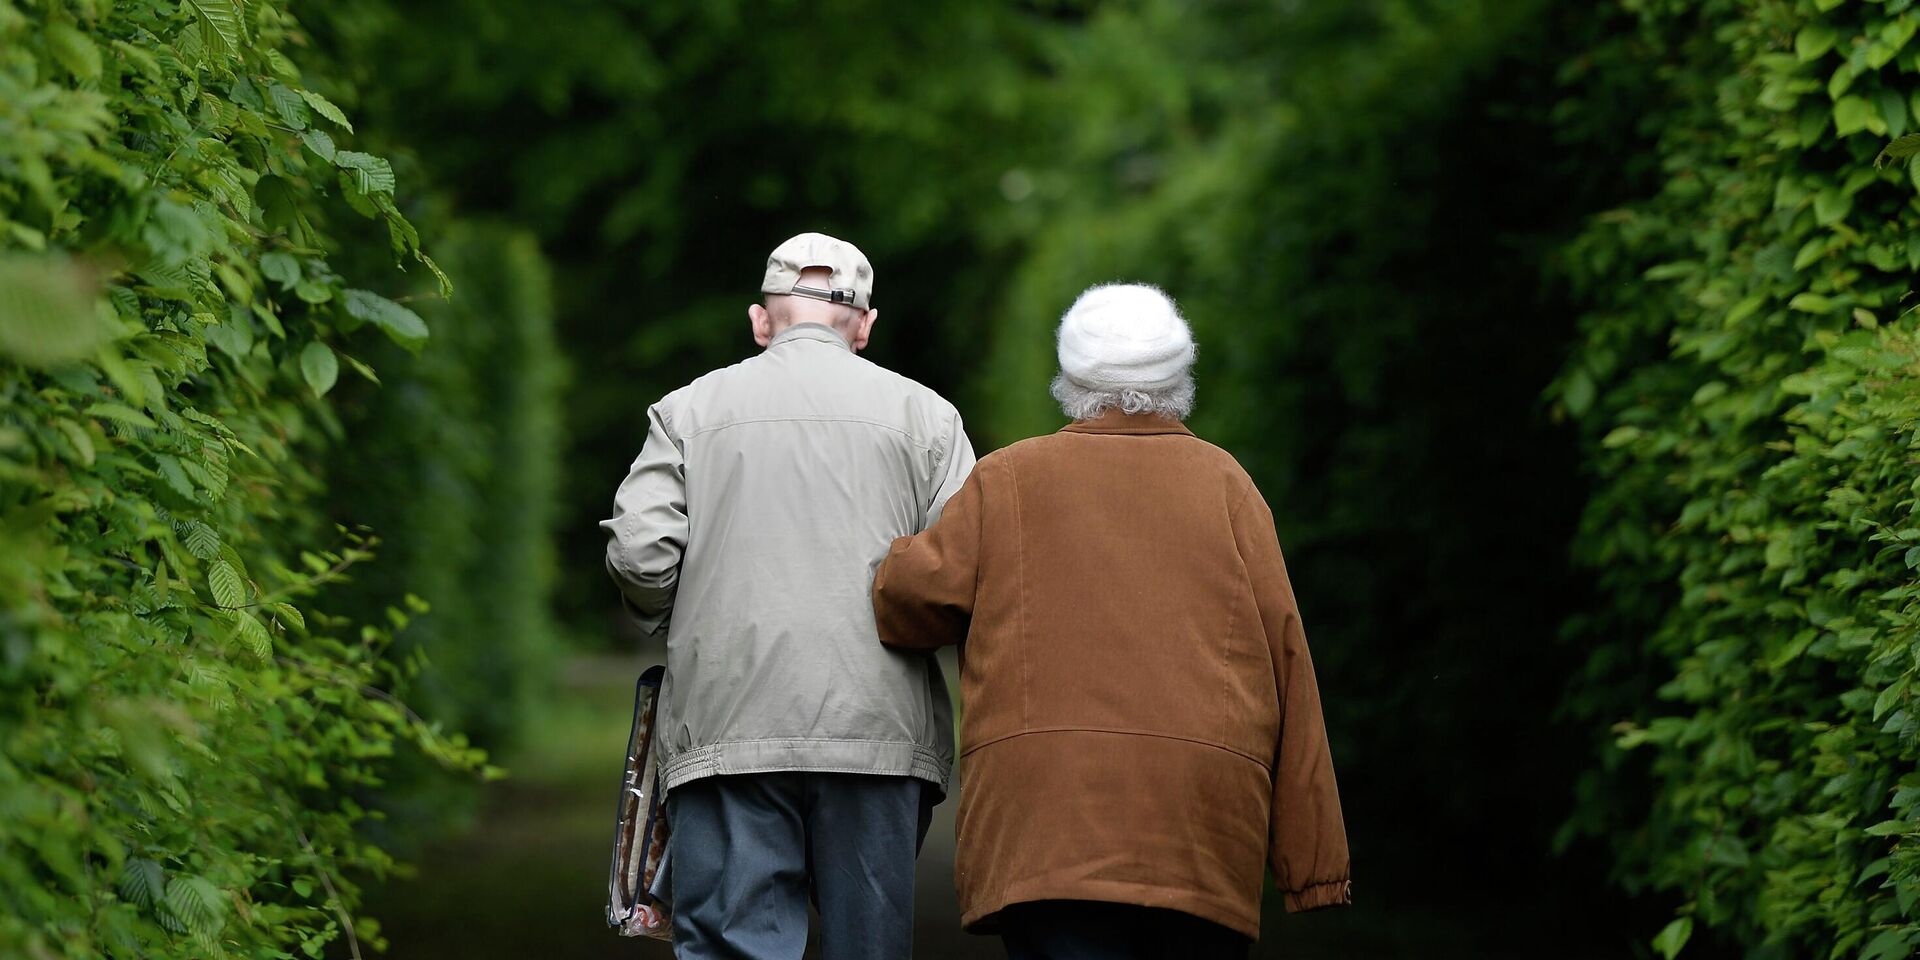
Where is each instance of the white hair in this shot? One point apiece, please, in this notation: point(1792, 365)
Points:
point(1085, 403)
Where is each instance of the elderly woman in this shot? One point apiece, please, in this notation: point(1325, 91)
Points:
point(1142, 733)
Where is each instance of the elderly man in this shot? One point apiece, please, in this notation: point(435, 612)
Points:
point(1142, 732)
point(799, 755)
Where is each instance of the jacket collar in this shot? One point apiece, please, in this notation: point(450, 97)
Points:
point(810, 331)
point(1115, 422)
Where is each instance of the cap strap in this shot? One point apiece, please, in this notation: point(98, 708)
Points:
point(831, 296)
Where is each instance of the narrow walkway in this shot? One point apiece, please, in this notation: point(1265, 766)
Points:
point(529, 881)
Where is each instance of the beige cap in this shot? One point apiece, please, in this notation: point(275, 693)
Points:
point(852, 280)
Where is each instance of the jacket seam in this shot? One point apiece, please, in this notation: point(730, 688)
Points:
point(729, 742)
point(1233, 512)
point(1122, 731)
point(823, 419)
point(1020, 571)
point(1226, 662)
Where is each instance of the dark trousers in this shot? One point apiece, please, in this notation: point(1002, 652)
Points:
point(1090, 930)
point(749, 851)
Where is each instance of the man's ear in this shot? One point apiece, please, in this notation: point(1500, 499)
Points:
point(862, 329)
point(762, 323)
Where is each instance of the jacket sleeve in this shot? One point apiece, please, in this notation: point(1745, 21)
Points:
point(1306, 838)
point(956, 463)
point(923, 591)
point(648, 532)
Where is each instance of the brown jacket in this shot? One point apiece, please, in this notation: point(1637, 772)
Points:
point(1140, 720)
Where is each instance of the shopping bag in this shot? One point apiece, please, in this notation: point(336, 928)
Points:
point(637, 903)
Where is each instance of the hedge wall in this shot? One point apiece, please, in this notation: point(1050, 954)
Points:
point(1746, 388)
point(455, 460)
point(180, 728)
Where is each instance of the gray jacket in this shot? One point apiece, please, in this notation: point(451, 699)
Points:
point(749, 529)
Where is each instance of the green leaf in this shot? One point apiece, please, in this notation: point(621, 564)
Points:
point(121, 413)
point(1841, 81)
point(321, 143)
point(370, 173)
point(324, 107)
point(250, 633)
point(50, 310)
point(313, 291)
point(281, 268)
point(1893, 110)
point(1813, 40)
point(289, 105)
point(402, 325)
point(1579, 392)
point(1888, 945)
point(289, 615)
point(74, 51)
point(320, 367)
point(1900, 149)
point(1852, 114)
point(234, 335)
point(362, 369)
point(176, 476)
point(1888, 697)
point(81, 440)
point(141, 882)
point(1830, 206)
point(1894, 37)
point(224, 582)
point(1811, 303)
point(198, 905)
point(221, 27)
point(1673, 937)
point(201, 541)
point(1620, 437)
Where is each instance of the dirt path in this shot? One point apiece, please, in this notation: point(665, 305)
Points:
point(529, 882)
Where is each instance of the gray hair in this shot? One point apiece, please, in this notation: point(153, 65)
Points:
point(1085, 403)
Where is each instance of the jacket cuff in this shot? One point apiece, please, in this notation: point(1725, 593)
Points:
point(1333, 893)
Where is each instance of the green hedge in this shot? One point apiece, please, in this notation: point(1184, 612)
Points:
point(455, 460)
point(181, 732)
point(1746, 388)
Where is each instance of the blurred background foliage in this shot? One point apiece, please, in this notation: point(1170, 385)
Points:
point(1569, 342)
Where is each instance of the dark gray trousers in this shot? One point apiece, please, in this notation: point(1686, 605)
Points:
point(749, 851)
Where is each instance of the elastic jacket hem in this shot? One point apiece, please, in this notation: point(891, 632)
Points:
point(881, 757)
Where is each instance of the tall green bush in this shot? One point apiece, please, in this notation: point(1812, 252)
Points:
point(181, 732)
point(1747, 387)
point(454, 460)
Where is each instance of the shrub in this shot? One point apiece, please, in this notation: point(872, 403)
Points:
point(1745, 389)
point(181, 731)
point(455, 459)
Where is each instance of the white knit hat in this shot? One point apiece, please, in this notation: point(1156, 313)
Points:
point(1125, 336)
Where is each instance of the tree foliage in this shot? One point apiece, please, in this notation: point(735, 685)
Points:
point(182, 730)
point(454, 460)
point(1745, 387)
